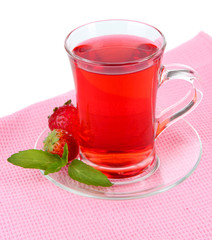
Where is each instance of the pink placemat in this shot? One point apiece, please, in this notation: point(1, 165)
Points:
point(31, 207)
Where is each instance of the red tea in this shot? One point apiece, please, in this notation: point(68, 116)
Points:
point(116, 86)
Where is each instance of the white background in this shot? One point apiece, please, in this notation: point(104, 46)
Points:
point(33, 63)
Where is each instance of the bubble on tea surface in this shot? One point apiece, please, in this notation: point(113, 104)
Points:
point(82, 50)
point(144, 50)
point(88, 52)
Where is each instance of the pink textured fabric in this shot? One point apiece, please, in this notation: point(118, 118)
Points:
point(31, 207)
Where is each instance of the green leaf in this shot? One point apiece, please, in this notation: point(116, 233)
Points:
point(34, 159)
point(84, 173)
point(64, 158)
point(54, 167)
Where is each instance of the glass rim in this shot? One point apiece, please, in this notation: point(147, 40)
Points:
point(71, 54)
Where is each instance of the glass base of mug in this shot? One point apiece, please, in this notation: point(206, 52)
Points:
point(144, 169)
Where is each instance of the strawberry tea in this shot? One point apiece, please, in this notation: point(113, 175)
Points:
point(116, 66)
point(116, 104)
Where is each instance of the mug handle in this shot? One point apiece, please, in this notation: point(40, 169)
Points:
point(185, 105)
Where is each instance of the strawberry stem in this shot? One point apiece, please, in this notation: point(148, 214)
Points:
point(68, 102)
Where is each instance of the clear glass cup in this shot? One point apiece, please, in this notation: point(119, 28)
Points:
point(117, 71)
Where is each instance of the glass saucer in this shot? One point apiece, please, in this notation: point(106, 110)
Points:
point(178, 149)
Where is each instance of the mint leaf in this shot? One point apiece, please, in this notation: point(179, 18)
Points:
point(84, 173)
point(51, 163)
point(64, 158)
point(54, 167)
point(34, 158)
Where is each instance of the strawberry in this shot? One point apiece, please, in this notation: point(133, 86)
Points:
point(56, 140)
point(65, 117)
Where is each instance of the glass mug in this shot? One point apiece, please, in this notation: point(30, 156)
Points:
point(117, 71)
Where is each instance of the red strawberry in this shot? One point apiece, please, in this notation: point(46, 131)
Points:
point(65, 117)
point(56, 141)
